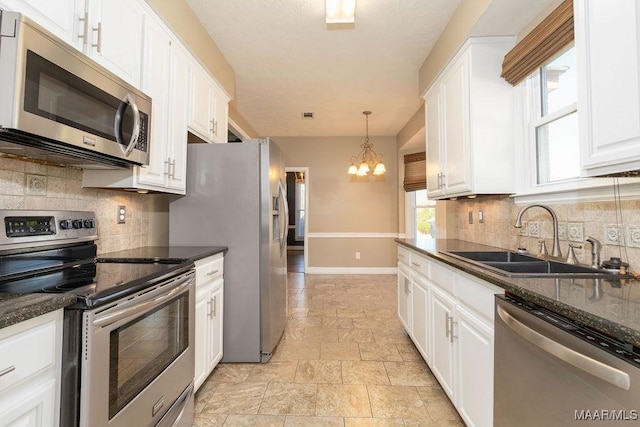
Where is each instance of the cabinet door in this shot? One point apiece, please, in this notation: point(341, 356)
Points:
point(434, 141)
point(200, 114)
point(61, 17)
point(178, 109)
point(404, 298)
point(419, 316)
point(607, 40)
point(116, 36)
point(156, 60)
point(442, 355)
point(216, 323)
point(36, 407)
point(220, 116)
point(201, 346)
point(455, 101)
point(474, 356)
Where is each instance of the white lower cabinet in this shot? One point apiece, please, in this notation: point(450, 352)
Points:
point(404, 296)
point(449, 316)
point(209, 316)
point(442, 315)
point(30, 367)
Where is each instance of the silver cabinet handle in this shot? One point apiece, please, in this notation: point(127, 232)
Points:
point(452, 323)
point(209, 308)
point(98, 30)
point(85, 28)
point(215, 127)
point(215, 301)
point(415, 264)
point(167, 168)
point(172, 166)
point(8, 370)
point(446, 325)
point(211, 125)
point(587, 364)
point(211, 273)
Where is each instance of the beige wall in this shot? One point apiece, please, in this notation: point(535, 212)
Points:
point(339, 203)
point(182, 21)
point(63, 190)
point(453, 36)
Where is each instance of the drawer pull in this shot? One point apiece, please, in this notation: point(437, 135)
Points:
point(415, 264)
point(7, 370)
point(211, 273)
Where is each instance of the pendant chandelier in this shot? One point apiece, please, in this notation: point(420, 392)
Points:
point(368, 159)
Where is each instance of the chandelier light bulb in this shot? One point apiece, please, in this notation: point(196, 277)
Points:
point(367, 158)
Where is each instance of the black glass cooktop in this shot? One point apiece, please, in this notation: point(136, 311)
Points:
point(65, 270)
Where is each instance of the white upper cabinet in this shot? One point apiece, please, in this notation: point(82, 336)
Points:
point(469, 123)
point(108, 31)
point(607, 40)
point(113, 36)
point(165, 74)
point(61, 17)
point(209, 108)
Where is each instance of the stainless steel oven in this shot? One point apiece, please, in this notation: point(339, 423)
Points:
point(128, 357)
point(138, 354)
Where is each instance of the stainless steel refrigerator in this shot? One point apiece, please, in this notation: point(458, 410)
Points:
point(236, 197)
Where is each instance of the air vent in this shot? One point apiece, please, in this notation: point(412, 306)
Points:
point(307, 115)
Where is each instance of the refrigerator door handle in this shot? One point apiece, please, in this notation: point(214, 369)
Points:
point(285, 227)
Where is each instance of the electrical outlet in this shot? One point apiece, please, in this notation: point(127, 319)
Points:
point(480, 216)
point(122, 214)
point(357, 255)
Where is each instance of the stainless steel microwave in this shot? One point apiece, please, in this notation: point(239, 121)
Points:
point(59, 106)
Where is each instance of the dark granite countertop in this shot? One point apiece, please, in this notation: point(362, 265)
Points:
point(610, 306)
point(16, 308)
point(168, 254)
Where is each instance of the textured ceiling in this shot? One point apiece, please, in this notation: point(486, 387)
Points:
point(287, 62)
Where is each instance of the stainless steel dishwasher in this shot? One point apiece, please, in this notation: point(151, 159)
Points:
point(551, 372)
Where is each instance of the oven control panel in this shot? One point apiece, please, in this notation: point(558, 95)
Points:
point(25, 228)
point(17, 226)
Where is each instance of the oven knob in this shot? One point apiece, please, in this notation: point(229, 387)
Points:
point(66, 224)
point(77, 223)
point(88, 223)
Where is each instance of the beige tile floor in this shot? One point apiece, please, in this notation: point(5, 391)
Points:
point(344, 360)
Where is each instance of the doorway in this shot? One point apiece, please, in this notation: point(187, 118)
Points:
point(298, 199)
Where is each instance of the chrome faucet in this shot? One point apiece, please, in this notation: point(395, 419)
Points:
point(595, 251)
point(556, 252)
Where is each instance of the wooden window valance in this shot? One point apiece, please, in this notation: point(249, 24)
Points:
point(553, 34)
point(415, 172)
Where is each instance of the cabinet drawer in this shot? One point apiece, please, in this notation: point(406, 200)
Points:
point(27, 353)
point(404, 255)
point(477, 295)
point(420, 264)
point(209, 269)
point(442, 276)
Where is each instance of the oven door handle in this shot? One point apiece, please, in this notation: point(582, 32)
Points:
point(152, 301)
point(580, 361)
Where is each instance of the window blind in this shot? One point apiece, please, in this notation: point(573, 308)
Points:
point(415, 172)
point(553, 34)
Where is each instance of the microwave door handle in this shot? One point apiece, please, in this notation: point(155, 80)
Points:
point(128, 100)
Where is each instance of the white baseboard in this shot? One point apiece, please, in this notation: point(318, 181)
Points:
point(351, 270)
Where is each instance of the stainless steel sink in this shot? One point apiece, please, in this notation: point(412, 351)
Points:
point(515, 264)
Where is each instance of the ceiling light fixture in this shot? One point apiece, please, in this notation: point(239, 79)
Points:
point(341, 11)
point(367, 159)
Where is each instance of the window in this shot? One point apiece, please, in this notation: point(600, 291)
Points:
point(421, 215)
point(554, 119)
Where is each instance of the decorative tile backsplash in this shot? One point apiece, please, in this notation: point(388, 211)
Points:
point(576, 222)
point(27, 185)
